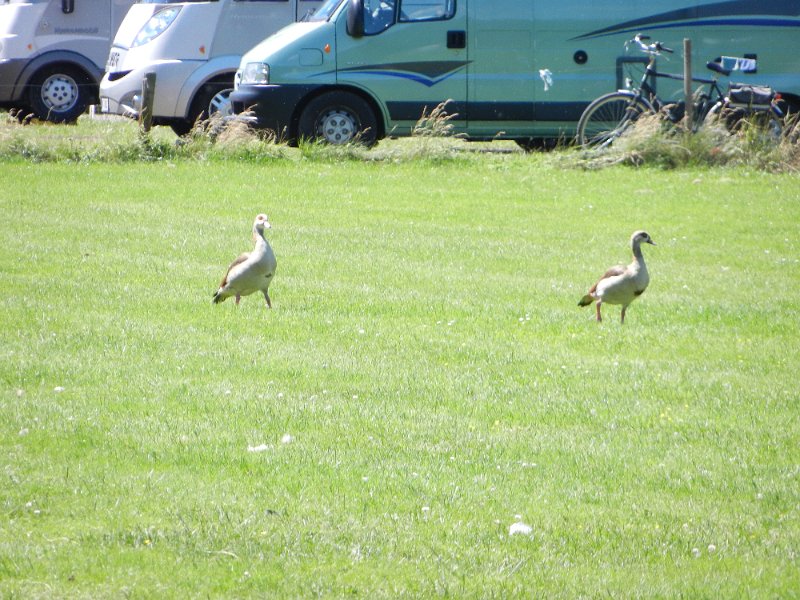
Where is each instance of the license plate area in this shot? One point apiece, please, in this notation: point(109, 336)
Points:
point(113, 60)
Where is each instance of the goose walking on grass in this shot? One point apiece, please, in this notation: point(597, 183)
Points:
point(252, 271)
point(621, 284)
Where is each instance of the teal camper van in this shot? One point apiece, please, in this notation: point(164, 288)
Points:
point(510, 69)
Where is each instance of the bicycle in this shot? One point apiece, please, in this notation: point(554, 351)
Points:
point(610, 115)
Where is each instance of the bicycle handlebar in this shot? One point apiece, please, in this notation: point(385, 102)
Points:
point(652, 49)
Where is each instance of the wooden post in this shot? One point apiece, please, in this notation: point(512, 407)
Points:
point(148, 95)
point(687, 83)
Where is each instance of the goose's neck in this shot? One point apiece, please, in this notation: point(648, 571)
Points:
point(259, 239)
point(637, 253)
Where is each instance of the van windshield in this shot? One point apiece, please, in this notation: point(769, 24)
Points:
point(324, 12)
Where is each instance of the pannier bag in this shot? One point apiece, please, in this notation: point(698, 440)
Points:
point(742, 93)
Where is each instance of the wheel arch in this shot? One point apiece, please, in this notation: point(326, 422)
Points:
point(61, 58)
point(220, 80)
point(316, 93)
point(195, 85)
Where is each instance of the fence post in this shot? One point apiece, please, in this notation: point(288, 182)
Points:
point(687, 83)
point(148, 95)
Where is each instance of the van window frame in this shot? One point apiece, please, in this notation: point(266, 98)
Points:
point(449, 13)
point(397, 16)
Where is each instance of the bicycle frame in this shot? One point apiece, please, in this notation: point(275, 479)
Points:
point(647, 92)
point(606, 118)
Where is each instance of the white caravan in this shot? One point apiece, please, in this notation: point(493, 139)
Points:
point(194, 48)
point(52, 53)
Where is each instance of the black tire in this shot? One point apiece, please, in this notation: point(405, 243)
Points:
point(537, 144)
point(607, 118)
point(182, 127)
point(59, 94)
point(338, 118)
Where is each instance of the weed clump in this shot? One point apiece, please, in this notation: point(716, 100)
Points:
point(750, 141)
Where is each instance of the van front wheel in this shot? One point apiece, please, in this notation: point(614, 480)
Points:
point(338, 118)
point(59, 94)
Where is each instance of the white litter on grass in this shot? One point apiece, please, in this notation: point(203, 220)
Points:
point(520, 528)
point(58, 389)
point(287, 439)
point(259, 448)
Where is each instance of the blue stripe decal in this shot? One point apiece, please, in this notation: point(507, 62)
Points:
point(709, 22)
point(426, 81)
point(769, 13)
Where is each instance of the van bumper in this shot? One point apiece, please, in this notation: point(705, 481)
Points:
point(121, 92)
point(10, 71)
point(270, 106)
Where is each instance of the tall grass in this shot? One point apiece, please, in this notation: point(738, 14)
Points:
point(116, 140)
point(432, 140)
point(650, 142)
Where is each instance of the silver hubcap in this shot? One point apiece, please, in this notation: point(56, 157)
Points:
point(337, 126)
point(59, 92)
point(221, 103)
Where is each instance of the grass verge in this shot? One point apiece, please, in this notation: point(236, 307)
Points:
point(424, 382)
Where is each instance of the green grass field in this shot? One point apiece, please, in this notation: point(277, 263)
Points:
point(424, 381)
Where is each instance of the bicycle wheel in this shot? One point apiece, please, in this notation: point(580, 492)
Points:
point(607, 117)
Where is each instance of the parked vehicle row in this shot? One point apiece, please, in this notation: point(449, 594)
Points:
point(340, 70)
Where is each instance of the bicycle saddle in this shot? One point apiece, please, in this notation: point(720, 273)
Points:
point(725, 64)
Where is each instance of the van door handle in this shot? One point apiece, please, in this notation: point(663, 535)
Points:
point(456, 39)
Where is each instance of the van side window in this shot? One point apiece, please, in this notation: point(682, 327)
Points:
point(378, 15)
point(426, 10)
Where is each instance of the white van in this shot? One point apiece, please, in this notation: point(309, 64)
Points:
point(194, 49)
point(52, 53)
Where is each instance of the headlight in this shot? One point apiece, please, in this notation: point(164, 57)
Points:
point(255, 74)
point(156, 25)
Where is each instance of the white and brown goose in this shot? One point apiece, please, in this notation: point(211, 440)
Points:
point(251, 271)
point(621, 284)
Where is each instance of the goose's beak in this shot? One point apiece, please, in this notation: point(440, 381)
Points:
point(651, 242)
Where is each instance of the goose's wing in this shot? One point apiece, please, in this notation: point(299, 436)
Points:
point(239, 260)
point(612, 272)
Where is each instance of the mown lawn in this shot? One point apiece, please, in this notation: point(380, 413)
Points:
point(424, 381)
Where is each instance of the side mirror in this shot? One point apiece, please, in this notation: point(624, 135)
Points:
point(355, 18)
point(68, 6)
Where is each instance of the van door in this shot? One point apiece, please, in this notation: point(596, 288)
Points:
point(412, 57)
point(503, 79)
point(80, 27)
